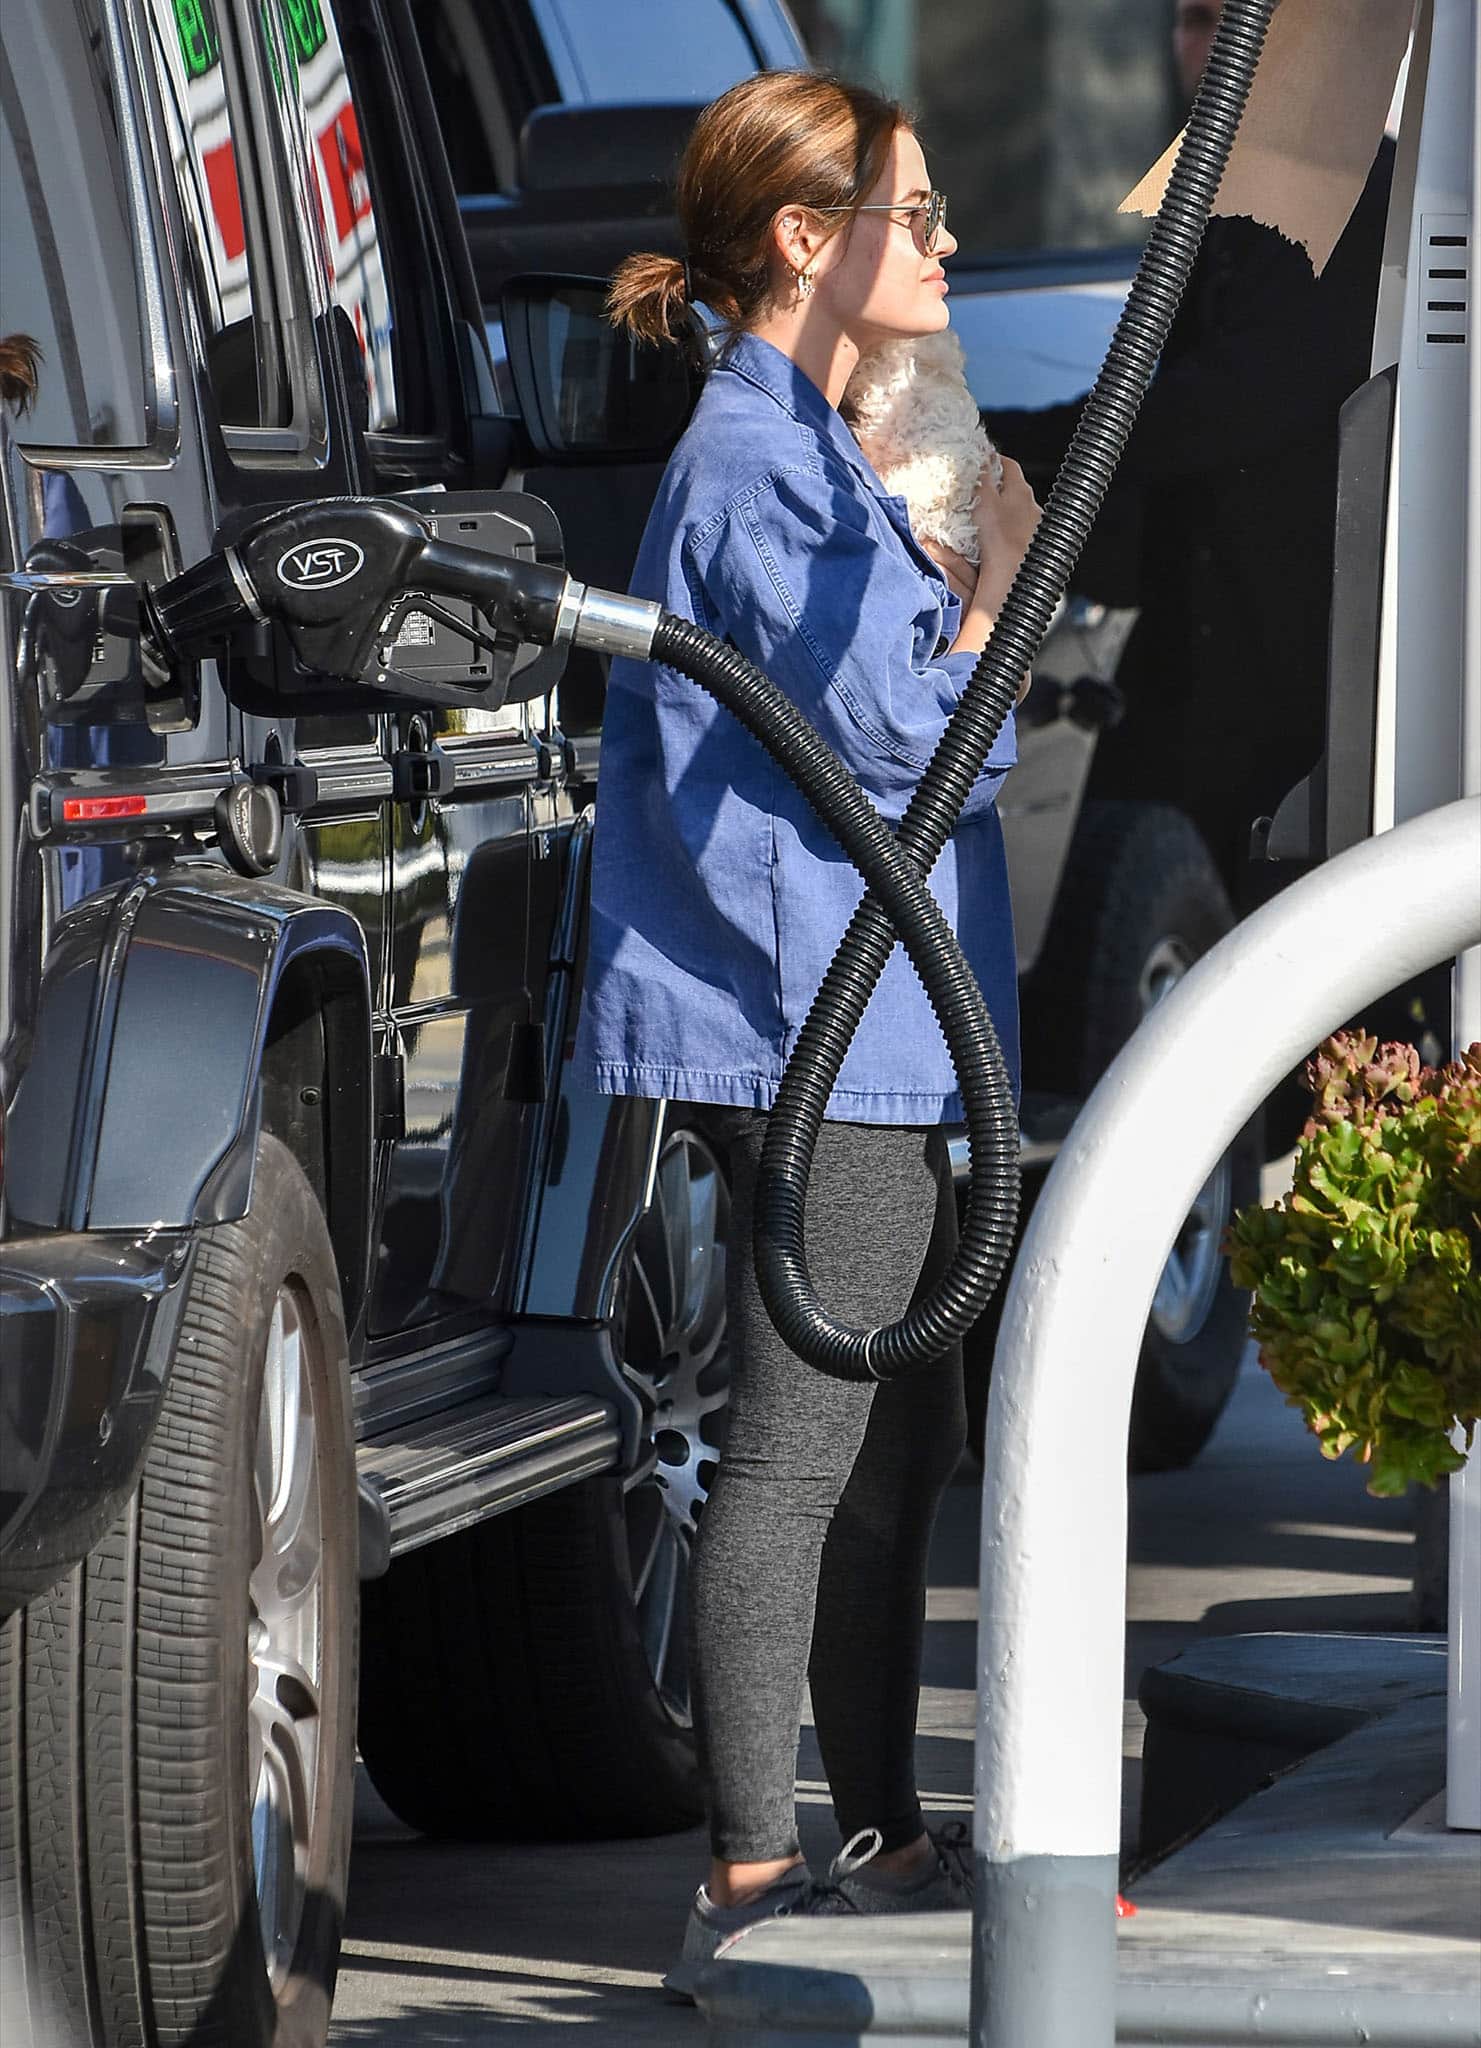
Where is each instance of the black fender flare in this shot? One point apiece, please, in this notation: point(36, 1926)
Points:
point(141, 1104)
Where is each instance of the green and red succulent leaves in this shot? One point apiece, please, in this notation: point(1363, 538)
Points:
point(1366, 1278)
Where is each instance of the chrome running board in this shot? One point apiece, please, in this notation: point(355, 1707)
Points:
point(445, 1472)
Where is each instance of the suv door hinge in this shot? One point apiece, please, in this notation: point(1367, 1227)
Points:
point(388, 1076)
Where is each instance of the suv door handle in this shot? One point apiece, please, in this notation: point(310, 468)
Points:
point(492, 767)
point(420, 772)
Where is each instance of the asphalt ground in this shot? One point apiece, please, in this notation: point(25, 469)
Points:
point(456, 1945)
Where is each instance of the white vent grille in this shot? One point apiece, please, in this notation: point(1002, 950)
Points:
point(1445, 281)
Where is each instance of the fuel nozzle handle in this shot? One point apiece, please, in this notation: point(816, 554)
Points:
point(331, 570)
point(326, 570)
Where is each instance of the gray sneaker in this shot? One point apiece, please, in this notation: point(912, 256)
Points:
point(711, 1928)
point(944, 1886)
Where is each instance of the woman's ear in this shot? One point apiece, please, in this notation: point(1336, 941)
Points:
point(795, 237)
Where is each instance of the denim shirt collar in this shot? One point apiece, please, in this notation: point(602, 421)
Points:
point(763, 365)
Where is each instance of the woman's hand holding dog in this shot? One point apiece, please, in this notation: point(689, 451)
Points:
point(960, 574)
point(1005, 520)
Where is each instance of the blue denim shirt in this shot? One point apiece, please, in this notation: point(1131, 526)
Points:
point(717, 897)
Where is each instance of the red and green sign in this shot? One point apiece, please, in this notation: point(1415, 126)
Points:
point(304, 20)
point(198, 44)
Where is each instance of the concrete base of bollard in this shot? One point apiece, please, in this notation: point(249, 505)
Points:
point(1331, 1906)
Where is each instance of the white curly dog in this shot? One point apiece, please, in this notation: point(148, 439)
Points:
point(915, 419)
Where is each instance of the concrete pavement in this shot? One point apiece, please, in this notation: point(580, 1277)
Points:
point(457, 1945)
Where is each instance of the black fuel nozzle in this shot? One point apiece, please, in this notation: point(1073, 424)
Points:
point(327, 571)
point(332, 571)
point(541, 605)
point(199, 610)
point(521, 600)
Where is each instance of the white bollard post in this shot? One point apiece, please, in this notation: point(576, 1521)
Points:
point(1463, 1766)
point(1463, 1725)
point(1051, 1647)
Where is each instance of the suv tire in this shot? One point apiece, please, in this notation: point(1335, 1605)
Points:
point(177, 1716)
point(1140, 901)
point(527, 1679)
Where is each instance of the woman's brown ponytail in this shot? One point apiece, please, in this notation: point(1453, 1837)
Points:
point(647, 297)
point(20, 358)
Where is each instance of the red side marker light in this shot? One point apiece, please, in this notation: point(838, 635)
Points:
point(76, 809)
point(1125, 1910)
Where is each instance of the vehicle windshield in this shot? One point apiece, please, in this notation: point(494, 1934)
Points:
point(1037, 118)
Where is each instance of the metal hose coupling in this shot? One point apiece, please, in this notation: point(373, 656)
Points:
point(606, 622)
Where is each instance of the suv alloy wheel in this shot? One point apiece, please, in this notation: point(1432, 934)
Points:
point(674, 1349)
point(285, 1631)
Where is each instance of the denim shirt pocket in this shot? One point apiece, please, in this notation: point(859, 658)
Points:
point(897, 511)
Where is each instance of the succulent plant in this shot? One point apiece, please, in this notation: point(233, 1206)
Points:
point(1366, 1278)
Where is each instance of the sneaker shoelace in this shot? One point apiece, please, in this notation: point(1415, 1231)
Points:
point(826, 1894)
point(953, 1847)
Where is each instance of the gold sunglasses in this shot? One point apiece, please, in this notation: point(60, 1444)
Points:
point(934, 209)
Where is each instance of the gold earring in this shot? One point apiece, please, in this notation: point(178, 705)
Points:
point(804, 284)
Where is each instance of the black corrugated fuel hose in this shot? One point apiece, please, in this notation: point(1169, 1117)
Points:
point(898, 905)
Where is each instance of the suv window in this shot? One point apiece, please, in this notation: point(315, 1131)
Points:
point(68, 271)
point(227, 202)
point(346, 221)
point(475, 98)
point(663, 50)
point(491, 65)
point(200, 96)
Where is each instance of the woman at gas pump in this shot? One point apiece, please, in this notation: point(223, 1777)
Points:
point(813, 231)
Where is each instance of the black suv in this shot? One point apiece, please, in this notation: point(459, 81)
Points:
point(310, 1266)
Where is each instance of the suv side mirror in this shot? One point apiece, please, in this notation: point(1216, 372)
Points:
point(586, 392)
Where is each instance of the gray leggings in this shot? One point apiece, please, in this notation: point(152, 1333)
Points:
point(811, 1557)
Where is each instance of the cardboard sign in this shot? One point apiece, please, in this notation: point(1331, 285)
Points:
point(1313, 122)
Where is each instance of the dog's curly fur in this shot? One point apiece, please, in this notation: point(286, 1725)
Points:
point(912, 414)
